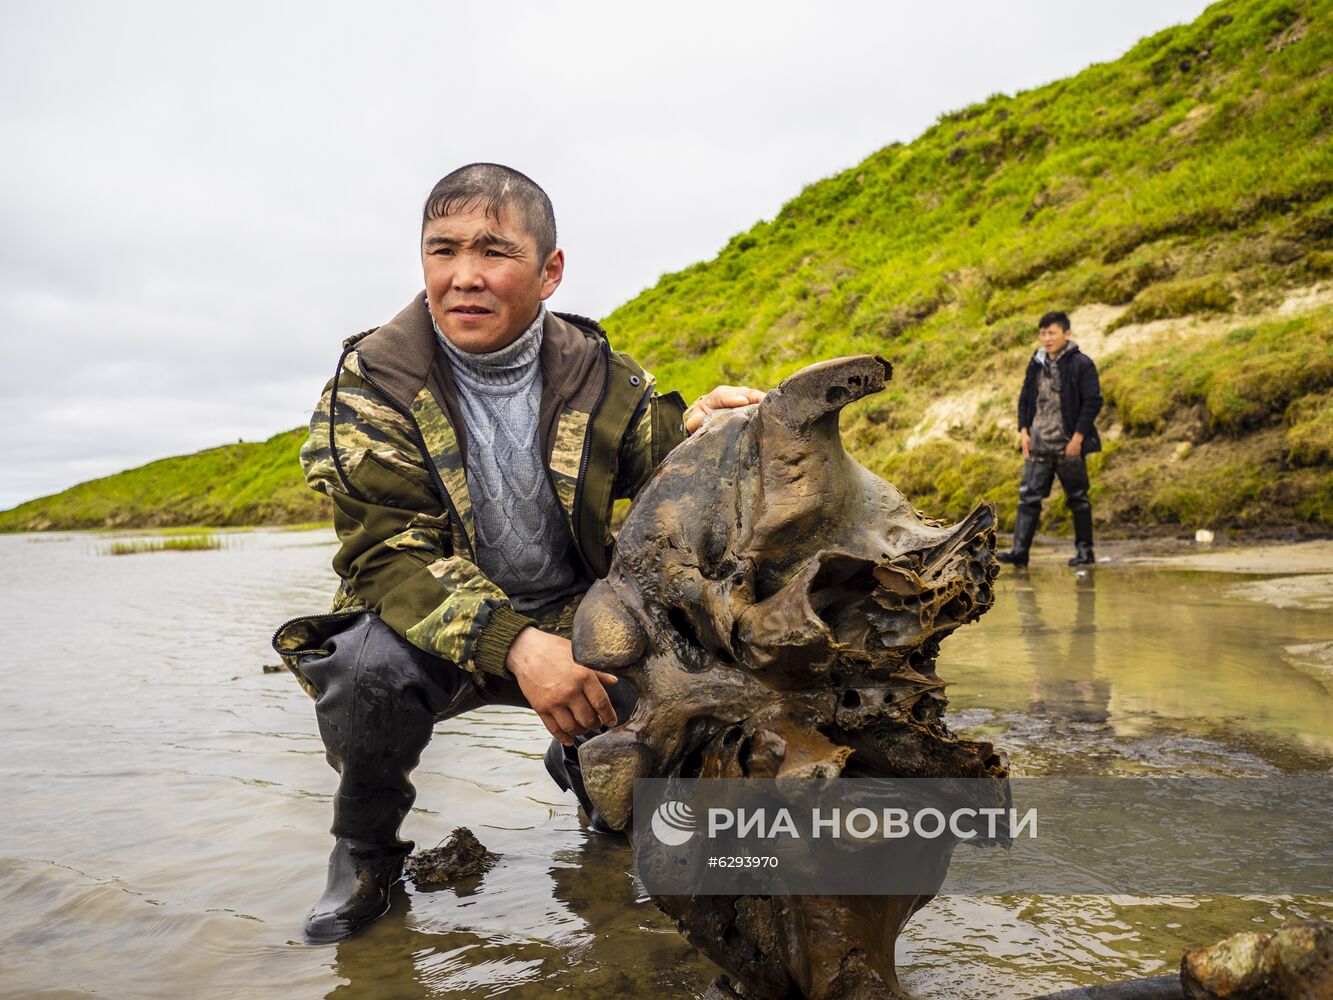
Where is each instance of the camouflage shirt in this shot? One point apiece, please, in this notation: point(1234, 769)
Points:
point(387, 446)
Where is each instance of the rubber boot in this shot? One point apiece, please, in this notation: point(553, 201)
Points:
point(562, 762)
point(359, 889)
point(1025, 527)
point(1082, 539)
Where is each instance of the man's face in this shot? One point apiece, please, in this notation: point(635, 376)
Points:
point(484, 282)
point(1053, 337)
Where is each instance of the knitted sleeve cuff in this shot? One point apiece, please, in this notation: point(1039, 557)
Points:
point(495, 638)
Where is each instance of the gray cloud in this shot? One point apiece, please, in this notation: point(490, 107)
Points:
point(200, 203)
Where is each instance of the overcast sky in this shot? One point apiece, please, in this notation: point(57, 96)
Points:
point(198, 203)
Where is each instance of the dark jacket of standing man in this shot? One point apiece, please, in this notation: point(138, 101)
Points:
point(1060, 399)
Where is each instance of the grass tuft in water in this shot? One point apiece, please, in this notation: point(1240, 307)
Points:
point(180, 543)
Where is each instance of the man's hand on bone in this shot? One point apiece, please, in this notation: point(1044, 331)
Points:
point(567, 696)
point(723, 397)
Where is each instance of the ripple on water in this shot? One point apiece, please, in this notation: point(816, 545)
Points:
point(168, 804)
point(102, 935)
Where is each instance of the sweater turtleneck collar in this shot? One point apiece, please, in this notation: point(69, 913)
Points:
point(508, 366)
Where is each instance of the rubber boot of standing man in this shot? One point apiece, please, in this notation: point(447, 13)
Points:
point(1059, 401)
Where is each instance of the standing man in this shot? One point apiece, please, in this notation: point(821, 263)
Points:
point(1060, 399)
point(472, 448)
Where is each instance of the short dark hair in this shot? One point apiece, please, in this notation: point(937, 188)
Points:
point(491, 186)
point(1056, 317)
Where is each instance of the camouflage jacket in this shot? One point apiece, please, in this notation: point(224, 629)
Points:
point(387, 446)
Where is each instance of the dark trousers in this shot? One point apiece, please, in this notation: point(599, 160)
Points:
point(1040, 471)
point(378, 700)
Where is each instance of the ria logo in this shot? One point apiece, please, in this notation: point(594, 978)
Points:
point(673, 823)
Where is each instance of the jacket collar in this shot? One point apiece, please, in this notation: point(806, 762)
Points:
point(1071, 349)
point(401, 354)
point(403, 357)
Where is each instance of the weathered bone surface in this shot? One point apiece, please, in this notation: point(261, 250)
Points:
point(779, 609)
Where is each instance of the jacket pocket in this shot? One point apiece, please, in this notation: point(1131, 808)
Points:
point(380, 482)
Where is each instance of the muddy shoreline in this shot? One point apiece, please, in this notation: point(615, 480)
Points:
point(1238, 554)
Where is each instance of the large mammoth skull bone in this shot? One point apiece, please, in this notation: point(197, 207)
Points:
point(779, 608)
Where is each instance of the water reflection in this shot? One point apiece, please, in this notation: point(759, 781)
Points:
point(1133, 669)
point(607, 943)
point(1062, 650)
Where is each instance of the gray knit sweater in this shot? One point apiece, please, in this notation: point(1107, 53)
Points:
point(523, 541)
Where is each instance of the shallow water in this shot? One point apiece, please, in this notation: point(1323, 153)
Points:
point(166, 802)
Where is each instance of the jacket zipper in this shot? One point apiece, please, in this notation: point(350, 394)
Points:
point(576, 507)
point(425, 454)
point(434, 475)
point(307, 618)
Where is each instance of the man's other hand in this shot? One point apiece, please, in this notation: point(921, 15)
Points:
point(567, 696)
point(1075, 446)
point(724, 397)
point(1025, 442)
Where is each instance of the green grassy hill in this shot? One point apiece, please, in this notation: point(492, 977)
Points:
point(237, 484)
point(1178, 202)
point(1173, 201)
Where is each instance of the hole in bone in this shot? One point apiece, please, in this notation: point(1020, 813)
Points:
point(693, 764)
point(957, 608)
point(694, 741)
point(836, 394)
point(681, 623)
point(851, 698)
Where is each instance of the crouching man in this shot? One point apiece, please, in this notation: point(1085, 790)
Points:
point(472, 447)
